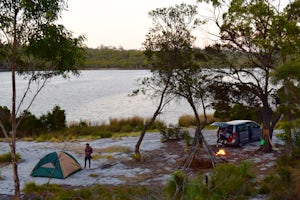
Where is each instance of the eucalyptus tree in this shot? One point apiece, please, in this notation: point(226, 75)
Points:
point(169, 49)
point(266, 33)
point(164, 48)
point(288, 75)
point(38, 49)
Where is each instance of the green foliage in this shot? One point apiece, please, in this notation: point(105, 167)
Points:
point(82, 129)
point(131, 124)
point(231, 181)
point(29, 124)
point(173, 133)
point(254, 31)
point(57, 192)
point(55, 120)
point(52, 127)
point(40, 191)
point(237, 111)
point(5, 117)
point(54, 45)
point(284, 182)
point(226, 181)
point(6, 158)
point(108, 57)
point(176, 186)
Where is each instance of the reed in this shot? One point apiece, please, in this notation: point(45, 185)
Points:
point(190, 120)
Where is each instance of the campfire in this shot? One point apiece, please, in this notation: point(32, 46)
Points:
point(221, 152)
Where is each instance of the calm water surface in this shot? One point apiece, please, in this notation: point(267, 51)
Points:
point(95, 96)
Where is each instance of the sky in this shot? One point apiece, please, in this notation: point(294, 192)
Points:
point(117, 22)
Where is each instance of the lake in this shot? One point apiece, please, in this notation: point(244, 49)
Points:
point(94, 96)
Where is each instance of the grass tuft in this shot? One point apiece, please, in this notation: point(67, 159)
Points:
point(6, 158)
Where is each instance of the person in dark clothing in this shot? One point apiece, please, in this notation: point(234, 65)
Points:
point(88, 154)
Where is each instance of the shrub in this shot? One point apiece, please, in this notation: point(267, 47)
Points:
point(232, 182)
point(57, 192)
point(5, 158)
point(227, 181)
point(5, 117)
point(29, 124)
point(284, 182)
point(55, 120)
point(176, 186)
point(173, 133)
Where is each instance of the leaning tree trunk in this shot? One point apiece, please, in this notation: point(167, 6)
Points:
point(146, 126)
point(138, 144)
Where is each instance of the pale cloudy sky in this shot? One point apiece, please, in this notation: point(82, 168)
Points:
point(117, 22)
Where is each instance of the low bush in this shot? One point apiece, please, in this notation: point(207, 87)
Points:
point(226, 181)
point(6, 158)
point(173, 133)
point(284, 183)
point(176, 186)
point(56, 192)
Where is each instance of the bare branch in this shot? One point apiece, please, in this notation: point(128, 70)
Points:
point(4, 132)
point(39, 88)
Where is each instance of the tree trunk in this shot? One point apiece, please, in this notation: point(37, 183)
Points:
point(266, 147)
point(267, 135)
point(156, 113)
point(138, 144)
point(13, 136)
point(13, 113)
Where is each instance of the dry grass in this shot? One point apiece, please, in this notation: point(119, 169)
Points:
point(190, 120)
point(114, 149)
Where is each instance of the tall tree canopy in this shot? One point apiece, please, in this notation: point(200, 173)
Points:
point(33, 45)
point(174, 60)
point(266, 34)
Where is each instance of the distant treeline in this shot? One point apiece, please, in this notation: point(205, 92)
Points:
point(111, 57)
point(118, 58)
point(107, 57)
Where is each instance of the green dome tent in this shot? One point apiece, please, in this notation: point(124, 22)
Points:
point(56, 165)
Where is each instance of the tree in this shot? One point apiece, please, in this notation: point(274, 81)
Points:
point(34, 46)
point(288, 75)
point(169, 49)
point(264, 35)
point(55, 120)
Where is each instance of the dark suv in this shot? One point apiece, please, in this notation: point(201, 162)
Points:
point(237, 132)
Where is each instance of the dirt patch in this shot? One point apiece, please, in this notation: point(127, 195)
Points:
point(171, 156)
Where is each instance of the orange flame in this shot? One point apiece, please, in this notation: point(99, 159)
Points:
point(221, 152)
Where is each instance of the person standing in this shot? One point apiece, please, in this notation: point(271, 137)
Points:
point(88, 154)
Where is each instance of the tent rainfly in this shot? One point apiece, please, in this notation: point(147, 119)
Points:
point(56, 165)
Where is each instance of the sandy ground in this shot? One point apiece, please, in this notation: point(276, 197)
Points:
point(118, 167)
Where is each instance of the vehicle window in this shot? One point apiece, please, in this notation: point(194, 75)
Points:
point(242, 128)
point(254, 125)
point(229, 129)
